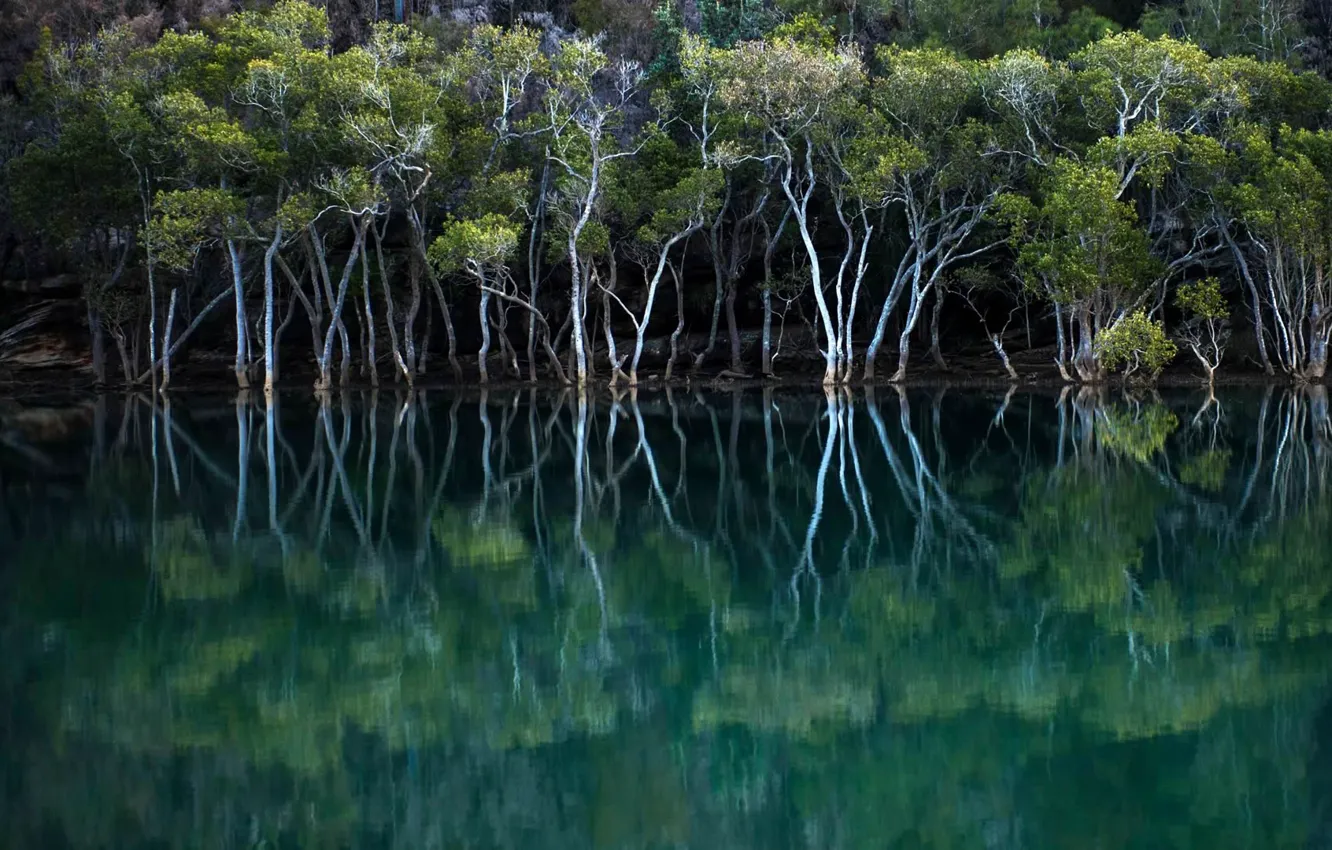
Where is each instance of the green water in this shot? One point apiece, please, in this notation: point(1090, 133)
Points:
point(701, 620)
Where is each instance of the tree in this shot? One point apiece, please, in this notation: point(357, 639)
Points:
point(482, 249)
point(1284, 204)
point(1082, 251)
point(786, 88)
point(584, 110)
point(1206, 328)
point(1137, 344)
point(678, 211)
point(938, 161)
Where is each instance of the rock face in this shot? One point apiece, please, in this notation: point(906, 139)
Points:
point(44, 333)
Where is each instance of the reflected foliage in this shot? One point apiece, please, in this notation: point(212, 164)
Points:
point(704, 620)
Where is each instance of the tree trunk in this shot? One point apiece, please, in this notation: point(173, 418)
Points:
point(1084, 361)
point(1255, 302)
point(152, 322)
point(344, 374)
point(484, 354)
point(270, 352)
point(371, 343)
point(242, 365)
point(998, 344)
point(918, 296)
point(1061, 361)
point(766, 365)
point(335, 323)
point(612, 352)
point(126, 367)
point(198, 320)
point(935, 353)
point(579, 365)
point(534, 268)
point(166, 340)
point(507, 350)
point(719, 295)
point(800, 209)
point(390, 309)
point(409, 324)
point(423, 347)
point(679, 323)
point(732, 329)
point(97, 334)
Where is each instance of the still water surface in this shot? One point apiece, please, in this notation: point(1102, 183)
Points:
point(698, 620)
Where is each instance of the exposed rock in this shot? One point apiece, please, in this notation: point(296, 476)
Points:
point(45, 334)
point(470, 12)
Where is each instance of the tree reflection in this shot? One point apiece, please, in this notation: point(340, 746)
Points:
point(694, 619)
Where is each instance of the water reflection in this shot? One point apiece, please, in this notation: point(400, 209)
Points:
point(681, 619)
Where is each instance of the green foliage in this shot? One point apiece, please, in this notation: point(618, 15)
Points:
point(1111, 161)
point(1207, 470)
point(1203, 299)
point(1083, 239)
point(1137, 344)
point(806, 29)
point(1133, 432)
point(184, 221)
point(475, 245)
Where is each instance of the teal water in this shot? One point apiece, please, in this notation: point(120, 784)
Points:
point(703, 620)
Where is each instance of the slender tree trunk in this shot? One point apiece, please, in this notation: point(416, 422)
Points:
point(770, 240)
point(450, 335)
point(336, 325)
point(997, 341)
point(152, 323)
point(371, 343)
point(390, 309)
point(589, 328)
point(679, 322)
point(242, 365)
point(718, 276)
point(344, 374)
point(800, 209)
point(719, 295)
point(270, 349)
point(766, 362)
point(909, 268)
point(935, 353)
point(612, 352)
point(97, 334)
point(577, 304)
point(663, 260)
point(419, 236)
point(363, 337)
point(166, 340)
point(534, 266)
point(198, 320)
point(507, 351)
point(732, 329)
point(126, 367)
point(1061, 360)
point(918, 295)
point(423, 348)
point(1255, 302)
point(483, 356)
point(409, 324)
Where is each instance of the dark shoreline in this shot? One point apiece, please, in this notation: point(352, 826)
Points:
point(965, 373)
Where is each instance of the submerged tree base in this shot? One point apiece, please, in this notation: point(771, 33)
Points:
point(1033, 369)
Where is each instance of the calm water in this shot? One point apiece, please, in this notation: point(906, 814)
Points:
point(690, 620)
